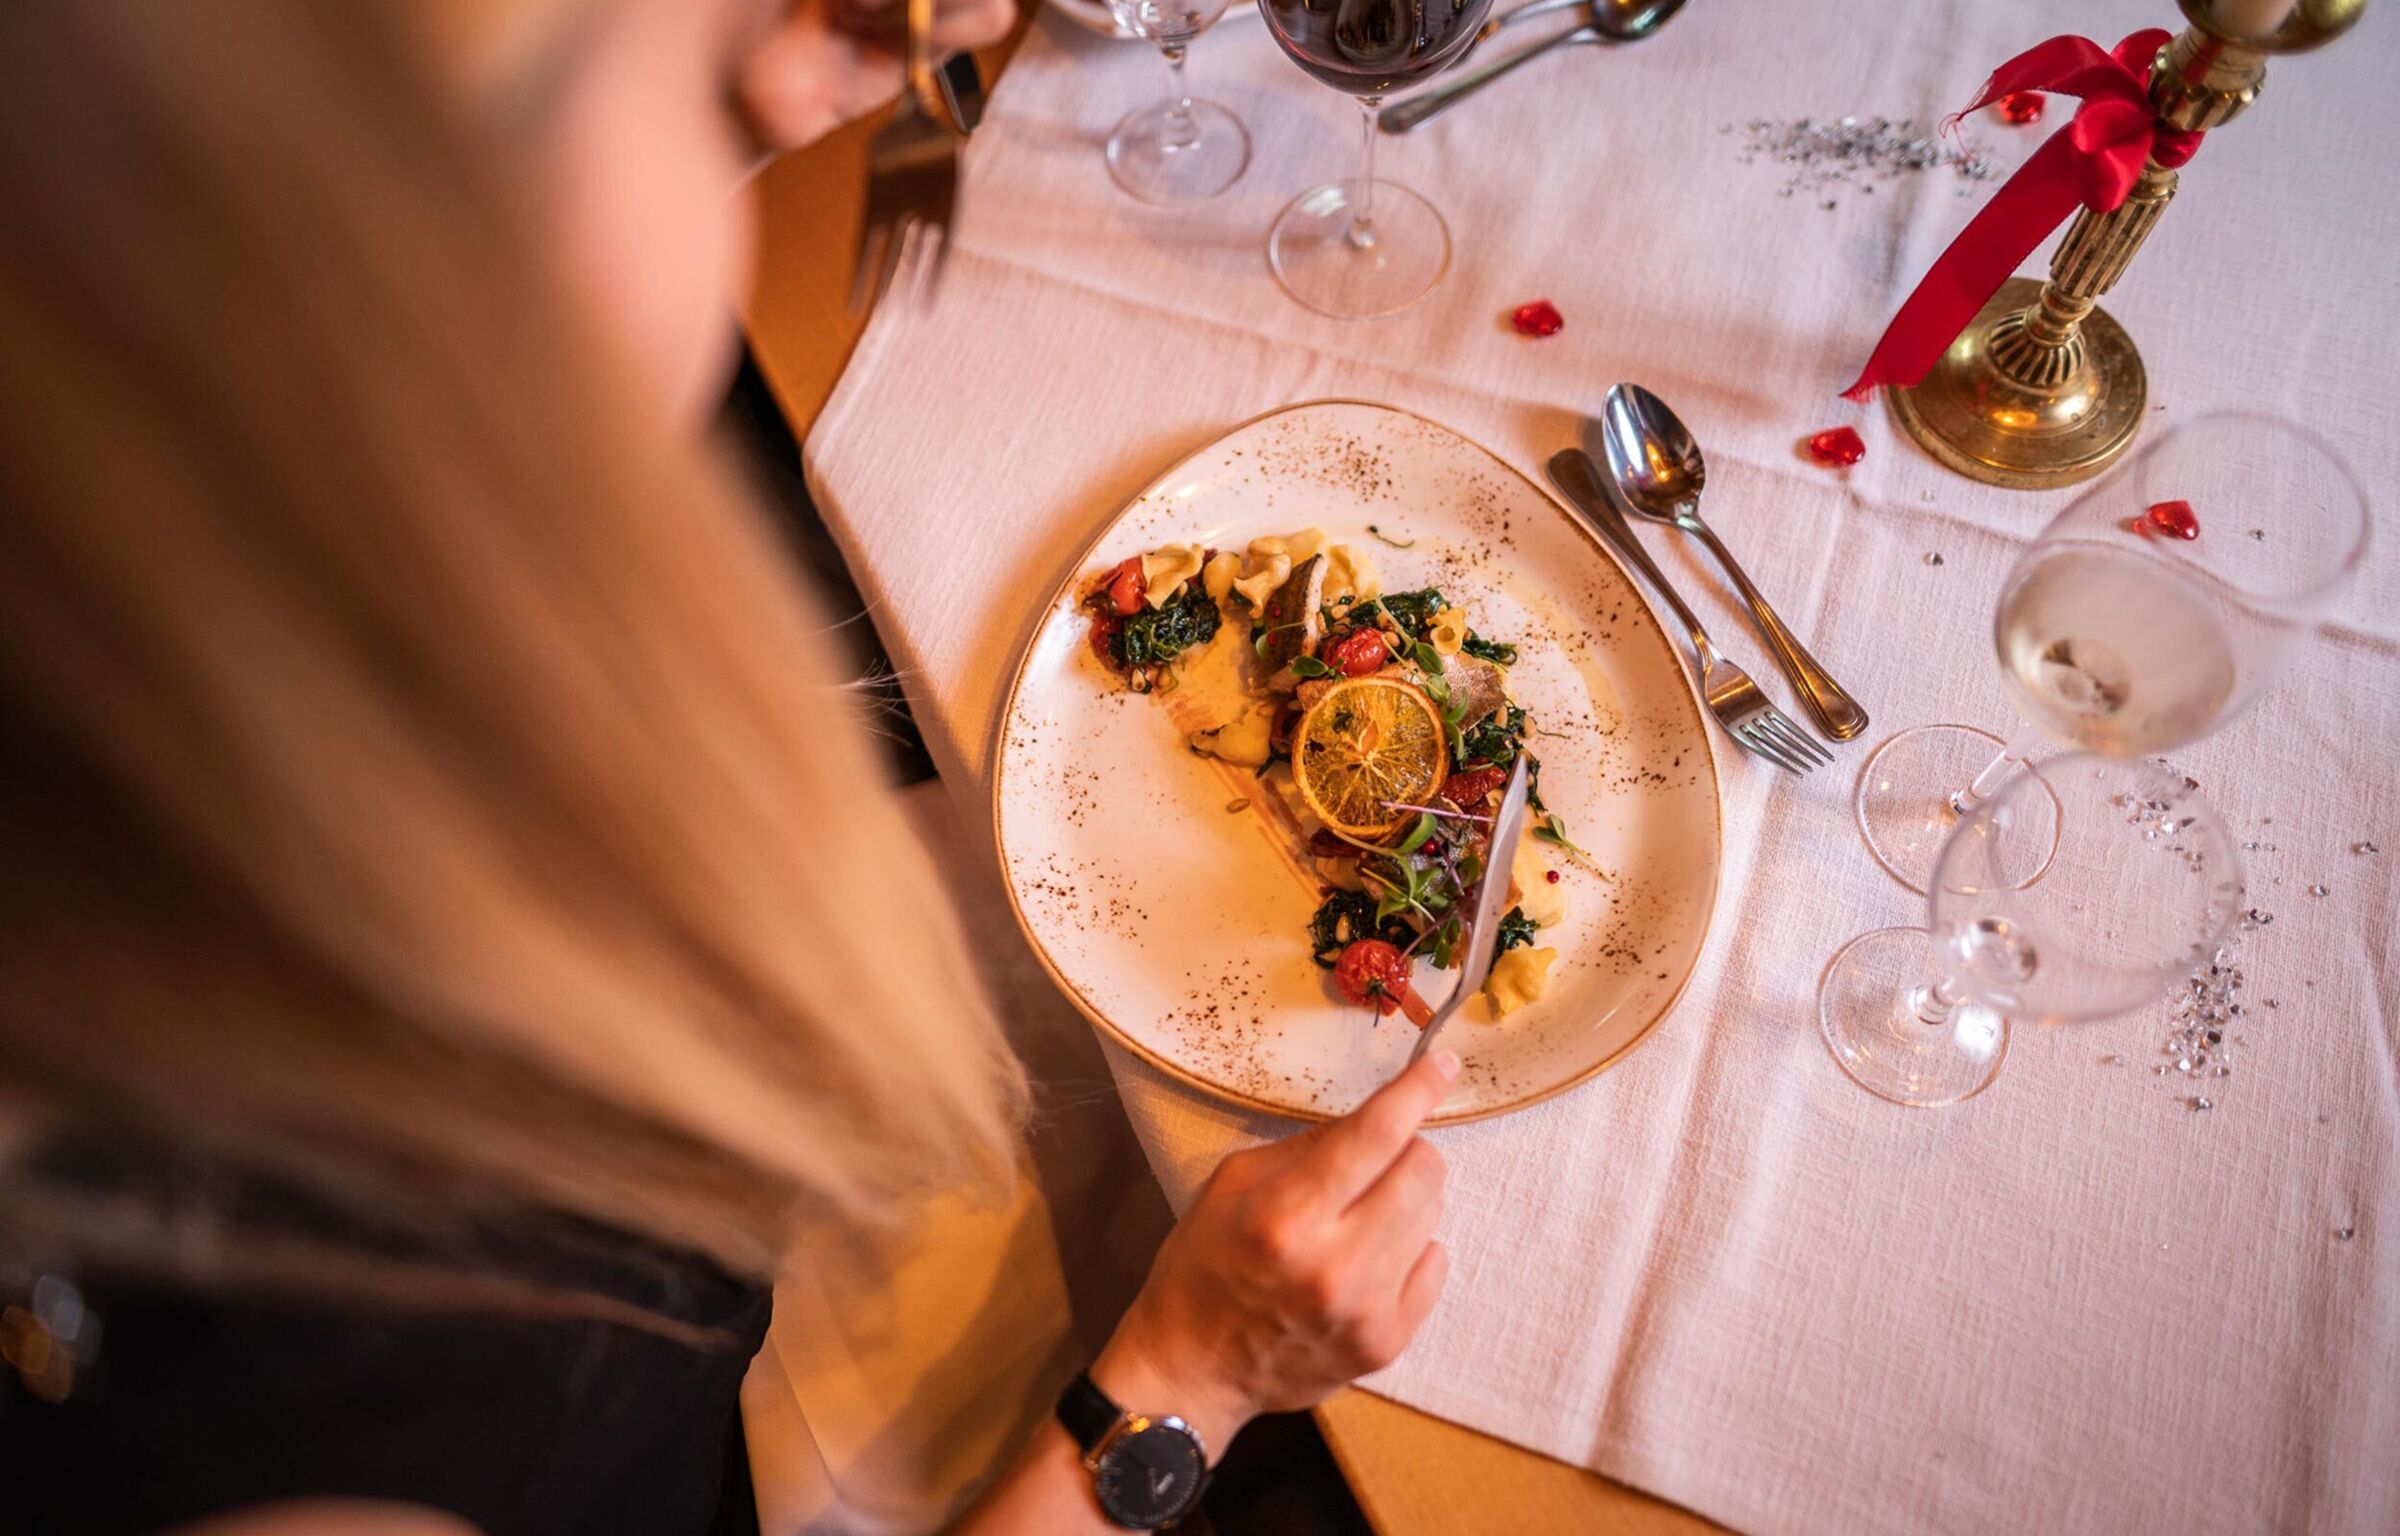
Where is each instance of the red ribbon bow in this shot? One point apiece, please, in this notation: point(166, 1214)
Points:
point(2093, 161)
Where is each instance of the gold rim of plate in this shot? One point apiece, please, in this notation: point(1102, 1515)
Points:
point(1219, 1091)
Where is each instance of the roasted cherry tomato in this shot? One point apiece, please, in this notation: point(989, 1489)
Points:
point(1358, 653)
point(1104, 637)
point(1122, 587)
point(1469, 788)
point(1371, 971)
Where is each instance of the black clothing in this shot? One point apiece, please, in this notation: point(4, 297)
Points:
point(196, 1403)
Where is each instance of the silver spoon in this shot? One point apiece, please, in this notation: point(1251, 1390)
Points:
point(1525, 12)
point(1604, 21)
point(1658, 467)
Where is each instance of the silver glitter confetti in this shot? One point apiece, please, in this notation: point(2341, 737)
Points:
point(2200, 1014)
point(2156, 818)
point(2259, 534)
point(2345, 1233)
point(1826, 154)
point(2198, 1103)
point(2362, 848)
point(1933, 557)
point(2320, 890)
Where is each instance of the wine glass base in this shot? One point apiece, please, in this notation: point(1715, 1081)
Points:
point(1866, 1011)
point(1150, 161)
point(1322, 264)
point(1903, 801)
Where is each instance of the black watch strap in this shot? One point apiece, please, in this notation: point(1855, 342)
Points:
point(1087, 1412)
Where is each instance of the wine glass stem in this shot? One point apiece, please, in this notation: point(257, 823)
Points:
point(1933, 1003)
point(1995, 773)
point(1362, 217)
point(1181, 131)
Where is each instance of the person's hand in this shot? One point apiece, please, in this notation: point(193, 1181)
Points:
point(828, 61)
point(1303, 1265)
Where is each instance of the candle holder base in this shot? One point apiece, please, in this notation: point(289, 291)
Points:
point(2003, 409)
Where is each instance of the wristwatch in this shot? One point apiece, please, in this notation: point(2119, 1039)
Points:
point(1147, 1472)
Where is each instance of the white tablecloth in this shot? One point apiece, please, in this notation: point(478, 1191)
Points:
point(1720, 1271)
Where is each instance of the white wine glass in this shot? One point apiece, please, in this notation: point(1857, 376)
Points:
point(2116, 635)
point(1182, 150)
point(2143, 883)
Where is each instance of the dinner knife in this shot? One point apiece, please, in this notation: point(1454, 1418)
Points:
point(1491, 902)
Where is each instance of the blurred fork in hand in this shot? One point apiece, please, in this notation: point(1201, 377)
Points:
point(912, 182)
point(1746, 713)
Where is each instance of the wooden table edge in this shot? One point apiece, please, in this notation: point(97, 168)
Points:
point(1418, 1475)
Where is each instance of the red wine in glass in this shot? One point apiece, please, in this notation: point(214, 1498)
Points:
point(1374, 47)
point(1356, 249)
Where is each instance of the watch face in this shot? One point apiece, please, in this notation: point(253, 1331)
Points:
point(1151, 1477)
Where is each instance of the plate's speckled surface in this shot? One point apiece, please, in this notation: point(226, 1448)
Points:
point(1179, 926)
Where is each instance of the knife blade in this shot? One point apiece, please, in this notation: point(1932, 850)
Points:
point(961, 84)
point(1491, 903)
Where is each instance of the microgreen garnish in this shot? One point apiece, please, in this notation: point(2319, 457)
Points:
point(1412, 890)
point(1309, 666)
point(1445, 945)
point(1550, 829)
point(1435, 810)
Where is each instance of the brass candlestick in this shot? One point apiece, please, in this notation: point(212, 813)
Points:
point(2043, 387)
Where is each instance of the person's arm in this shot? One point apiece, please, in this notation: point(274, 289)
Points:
point(1302, 1265)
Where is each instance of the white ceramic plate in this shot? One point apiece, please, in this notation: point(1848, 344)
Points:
point(1180, 927)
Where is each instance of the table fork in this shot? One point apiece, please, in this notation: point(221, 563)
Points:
point(1740, 707)
point(912, 182)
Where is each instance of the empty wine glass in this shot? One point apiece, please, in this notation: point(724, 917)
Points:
point(1361, 248)
point(1182, 150)
point(2148, 613)
point(2143, 883)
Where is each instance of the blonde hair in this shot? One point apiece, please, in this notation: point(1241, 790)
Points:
point(422, 779)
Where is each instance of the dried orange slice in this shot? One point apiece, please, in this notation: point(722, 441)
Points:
point(1367, 743)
